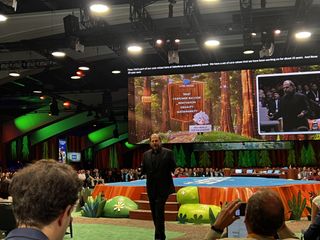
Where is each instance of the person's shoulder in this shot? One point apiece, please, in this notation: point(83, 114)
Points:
point(147, 152)
point(166, 149)
point(301, 95)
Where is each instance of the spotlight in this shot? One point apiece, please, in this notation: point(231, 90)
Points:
point(3, 18)
point(84, 68)
point(14, 74)
point(303, 35)
point(159, 42)
point(67, 104)
point(58, 54)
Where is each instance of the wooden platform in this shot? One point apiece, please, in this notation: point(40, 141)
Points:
point(144, 212)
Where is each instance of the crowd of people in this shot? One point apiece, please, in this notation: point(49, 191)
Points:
point(55, 187)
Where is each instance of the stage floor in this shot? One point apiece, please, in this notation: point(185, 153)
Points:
point(216, 190)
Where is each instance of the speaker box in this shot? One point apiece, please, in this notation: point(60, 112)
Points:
point(71, 25)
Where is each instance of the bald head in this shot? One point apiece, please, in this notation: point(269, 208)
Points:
point(264, 213)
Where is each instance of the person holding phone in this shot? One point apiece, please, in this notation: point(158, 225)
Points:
point(313, 232)
point(264, 217)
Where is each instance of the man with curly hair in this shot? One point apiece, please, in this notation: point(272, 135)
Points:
point(44, 195)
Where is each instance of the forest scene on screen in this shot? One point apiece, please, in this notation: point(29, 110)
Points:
point(202, 107)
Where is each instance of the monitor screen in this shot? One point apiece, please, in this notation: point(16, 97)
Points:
point(225, 102)
point(238, 171)
point(249, 170)
point(270, 171)
point(74, 156)
point(277, 171)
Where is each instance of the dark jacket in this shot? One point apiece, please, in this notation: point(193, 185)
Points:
point(313, 232)
point(26, 234)
point(158, 167)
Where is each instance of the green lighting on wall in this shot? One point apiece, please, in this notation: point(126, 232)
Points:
point(107, 132)
point(59, 127)
point(111, 142)
point(30, 121)
point(129, 145)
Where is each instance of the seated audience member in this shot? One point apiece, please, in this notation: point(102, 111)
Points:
point(313, 232)
point(44, 195)
point(4, 191)
point(264, 217)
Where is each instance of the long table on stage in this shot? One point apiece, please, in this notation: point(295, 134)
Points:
point(216, 190)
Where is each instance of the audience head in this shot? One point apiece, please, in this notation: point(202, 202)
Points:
point(4, 188)
point(264, 213)
point(44, 194)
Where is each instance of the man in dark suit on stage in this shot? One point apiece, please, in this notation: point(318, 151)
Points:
point(158, 164)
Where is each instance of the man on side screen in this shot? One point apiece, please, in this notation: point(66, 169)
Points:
point(158, 164)
point(293, 108)
point(44, 195)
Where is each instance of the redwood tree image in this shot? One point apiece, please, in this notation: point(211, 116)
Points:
point(225, 119)
point(146, 109)
point(248, 121)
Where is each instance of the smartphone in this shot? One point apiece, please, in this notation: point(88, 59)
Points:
point(238, 228)
point(241, 211)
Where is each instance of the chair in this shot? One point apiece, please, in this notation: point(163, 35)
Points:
point(70, 230)
point(7, 219)
point(267, 125)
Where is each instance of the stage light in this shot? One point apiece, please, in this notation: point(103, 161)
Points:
point(42, 97)
point(3, 18)
point(116, 72)
point(99, 8)
point(37, 91)
point(277, 31)
point(58, 54)
point(248, 51)
point(303, 35)
point(80, 73)
point(66, 104)
point(134, 49)
point(84, 68)
point(210, 43)
point(177, 40)
point(14, 74)
point(159, 42)
point(253, 34)
point(75, 77)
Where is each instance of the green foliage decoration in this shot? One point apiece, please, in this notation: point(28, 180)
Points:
point(303, 154)
point(182, 218)
point(196, 219)
point(296, 206)
point(228, 159)
point(204, 159)
point(212, 218)
point(93, 207)
point(264, 159)
point(181, 160)
point(292, 158)
point(193, 161)
point(310, 156)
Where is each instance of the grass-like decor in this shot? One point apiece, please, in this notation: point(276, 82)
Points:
point(113, 232)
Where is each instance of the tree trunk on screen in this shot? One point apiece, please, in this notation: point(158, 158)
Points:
point(164, 106)
point(289, 69)
point(146, 106)
point(225, 117)
point(238, 120)
point(248, 119)
point(131, 112)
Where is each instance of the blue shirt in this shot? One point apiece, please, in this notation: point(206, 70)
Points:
point(26, 233)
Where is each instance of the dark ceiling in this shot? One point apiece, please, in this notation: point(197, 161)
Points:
point(36, 28)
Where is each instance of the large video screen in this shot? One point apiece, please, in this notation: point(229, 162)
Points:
point(226, 105)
